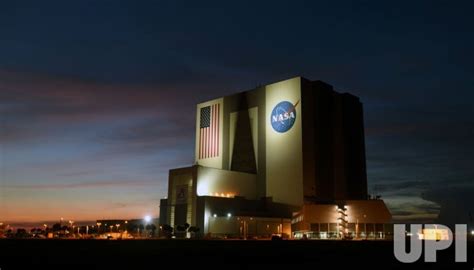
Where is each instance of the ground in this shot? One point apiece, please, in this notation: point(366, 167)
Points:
point(230, 254)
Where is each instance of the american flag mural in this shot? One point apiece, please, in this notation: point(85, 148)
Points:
point(209, 131)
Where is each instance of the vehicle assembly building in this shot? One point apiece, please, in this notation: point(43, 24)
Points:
point(284, 158)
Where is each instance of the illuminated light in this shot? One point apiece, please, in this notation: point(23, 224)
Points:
point(203, 188)
point(126, 221)
point(228, 195)
point(147, 218)
point(229, 214)
point(420, 236)
point(434, 234)
point(472, 232)
point(222, 194)
point(215, 215)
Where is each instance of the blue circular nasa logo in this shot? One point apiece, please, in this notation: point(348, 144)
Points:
point(283, 116)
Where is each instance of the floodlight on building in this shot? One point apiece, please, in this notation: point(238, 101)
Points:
point(229, 214)
point(472, 232)
point(215, 215)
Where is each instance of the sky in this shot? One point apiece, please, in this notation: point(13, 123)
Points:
point(97, 98)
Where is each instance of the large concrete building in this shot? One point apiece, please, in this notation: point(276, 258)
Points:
point(290, 152)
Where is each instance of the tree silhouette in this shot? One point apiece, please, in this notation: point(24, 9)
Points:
point(167, 230)
point(56, 227)
point(153, 230)
point(193, 229)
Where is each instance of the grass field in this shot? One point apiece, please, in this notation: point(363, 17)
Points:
point(138, 254)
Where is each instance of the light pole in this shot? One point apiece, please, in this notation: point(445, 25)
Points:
point(71, 225)
point(147, 219)
point(357, 229)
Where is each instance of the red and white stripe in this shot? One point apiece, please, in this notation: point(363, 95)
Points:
point(209, 136)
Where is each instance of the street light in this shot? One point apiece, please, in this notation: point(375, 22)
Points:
point(147, 219)
point(98, 227)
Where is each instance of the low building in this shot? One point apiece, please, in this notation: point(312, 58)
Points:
point(354, 219)
point(135, 227)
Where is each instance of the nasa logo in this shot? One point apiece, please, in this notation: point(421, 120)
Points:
point(283, 116)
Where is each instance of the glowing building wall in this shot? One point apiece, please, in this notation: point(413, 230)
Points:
point(284, 159)
point(301, 139)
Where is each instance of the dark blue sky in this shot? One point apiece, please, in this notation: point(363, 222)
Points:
point(97, 97)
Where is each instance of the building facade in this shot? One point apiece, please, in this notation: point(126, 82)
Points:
point(270, 153)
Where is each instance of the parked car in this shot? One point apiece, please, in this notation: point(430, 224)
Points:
point(276, 237)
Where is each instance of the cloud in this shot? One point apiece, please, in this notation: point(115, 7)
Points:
point(94, 184)
point(412, 209)
point(397, 187)
point(456, 203)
